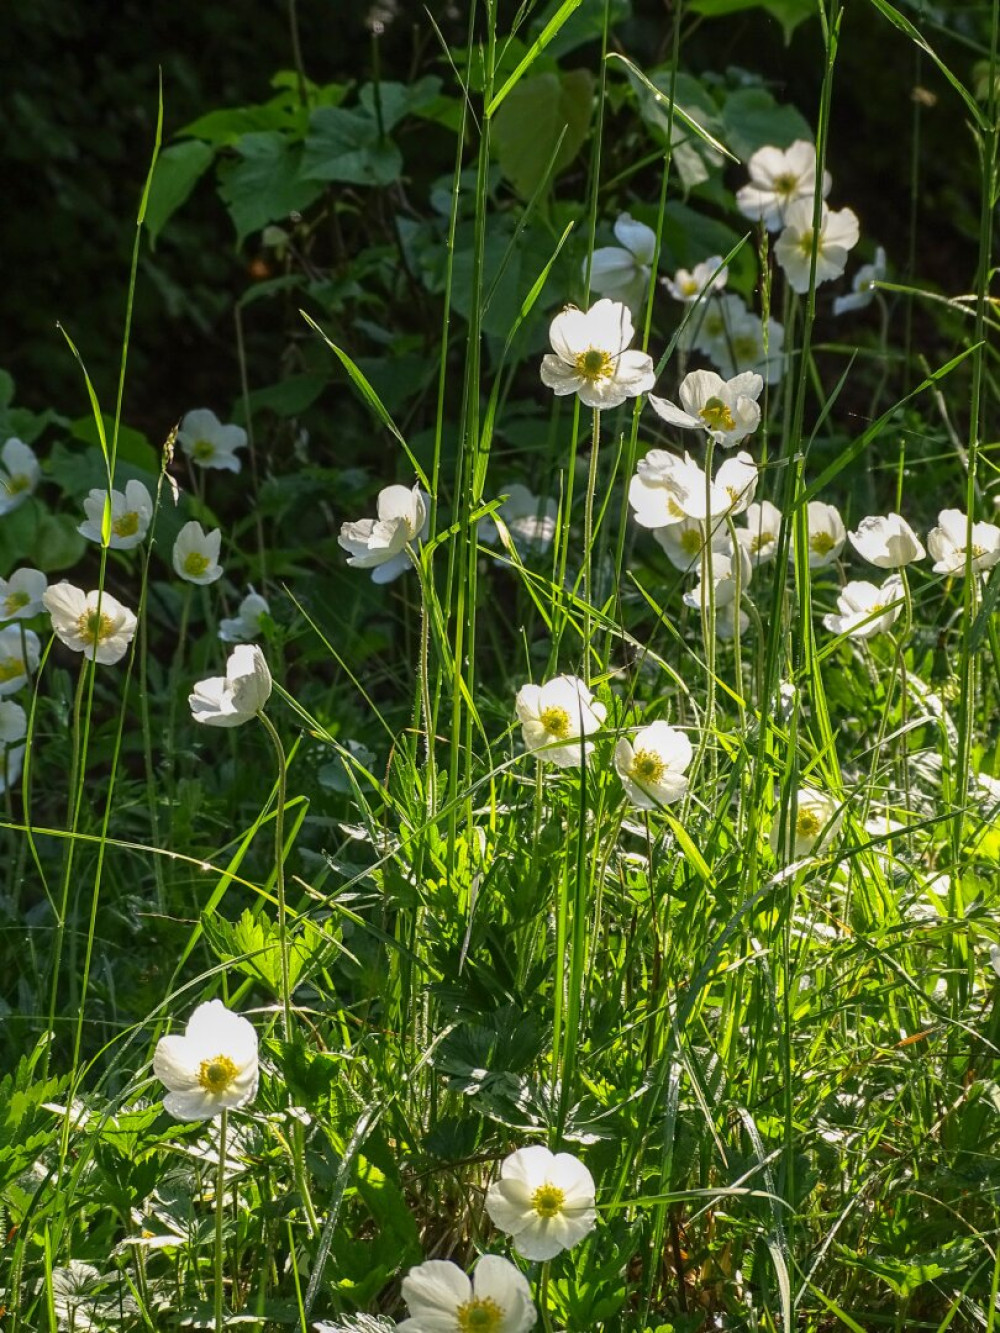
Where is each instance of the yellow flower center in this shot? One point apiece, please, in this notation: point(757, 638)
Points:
point(689, 287)
point(717, 415)
point(555, 721)
point(195, 564)
point(127, 525)
point(13, 602)
point(17, 482)
point(714, 325)
point(821, 543)
point(93, 628)
point(806, 241)
point(786, 184)
point(746, 348)
point(674, 509)
point(203, 450)
point(10, 669)
point(759, 540)
point(647, 766)
point(480, 1316)
point(594, 365)
point(548, 1200)
point(691, 542)
point(217, 1074)
point(977, 551)
point(807, 824)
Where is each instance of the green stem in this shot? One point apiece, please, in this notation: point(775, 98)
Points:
point(279, 871)
point(588, 542)
point(220, 1201)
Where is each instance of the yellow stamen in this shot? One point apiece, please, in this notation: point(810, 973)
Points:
point(821, 543)
point(14, 601)
point(127, 525)
point(717, 415)
point(785, 184)
point(594, 365)
point(807, 824)
point(203, 450)
point(16, 483)
point(93, 628)
point(480, 1316)
point(548, 1200)
point(555, 721)
point(217, 1074)
point(691, 541)
point(195, 564)
point(10, 669)
point(647, 766)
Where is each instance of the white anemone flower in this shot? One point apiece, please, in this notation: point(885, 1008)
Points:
point(838, 233)
point(827, 533)
point(246, 625)
point(667, 489)
point(683, 542)
point(817, 819)
point(779, 177)
point(556, 716)
point(13, 722)
point(729, 571)
point(381, 544)
point(545, 1201)
point(751, 345)
point(131, 513)
point(948, 543)
point(93, 623)
point(591, 356)
point(21, 594)
point(196, 554)
point(864, 610)
point(442, 1299)
point(530, 519)
point(726, 409)
point(887, 542)
point(863, 286)
point(760, 536)
point(730, 620)
point(652, 765)
point(19, 474)
point(689, 285)
point(236, 697)
point(211, 1068)
point(18, 657)
point(711, 322)
point(208, 443)
point(622, 271)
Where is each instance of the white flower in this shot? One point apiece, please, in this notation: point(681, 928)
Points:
point(816, 821)
point(778, 178)
point(93, 623)
point(749, 345)
point(863, 286)
point(196, 554)
point(947, 543)
point(530, 520)
point(381, 544)
point(21, 594)
point(245, 626)
point(212, 1068)
point(622, 271)
point(230, 700)
point(561, 710)
point(592, 357)
point(544, 1200)
point(727, 570)
point(865, 610)
point(730, 620)
point(208, 443)
point(760, 536)
point(683, 541)
point(19, 474)
point(13, 722)
point(131, 512)
point(887, 542)
point(441, 1299)
point(838, 233)
point(652, 767)
point(727, 409)
point(667, 489)
point(14, 669)
point(688, 285)
point(827, 533)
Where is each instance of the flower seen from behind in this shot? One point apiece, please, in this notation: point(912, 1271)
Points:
point(887, 542)
point(652, 765)
point(545, 1201)
point(556, 716)
point(442, 1299)
point(21, 594)
point(949, 544)
point(687, 285)
point(236, 697)
point(380, 544)
point(93, 623)
point(863, 286)
point(726, 409)
point(18, 657)
point(196, 554)
point(779, 177)
point(246, 625)
point(864, 609)
point(131, 513)
point(838, 233)
point(19, 474)
point(208, 443)
point(212, 1067)
point(591, 356)
point(622, 271)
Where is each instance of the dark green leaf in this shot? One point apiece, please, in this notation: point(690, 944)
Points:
point(178, 170)
point(346, 146)
point(267, 185)
point(531, 119)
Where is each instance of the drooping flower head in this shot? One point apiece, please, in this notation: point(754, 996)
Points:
point(652, 765)
point(93, 623)
point(887, 542)
point(208, 443)
point(863, 286)
point(246, 625)
point(727, 410)
point(591, 356)
point(838, 233)
point(381, 544)
point(19, 474)
point(622, 272)
point(545, 1201)
point(779, 177)
point(236, 697)
point(864, 609)
point(556, 716)
point(21, 594)
point(211, 1068)
point(441, 1299)
point(18, 657)
point(131, 512)
point(196, 554)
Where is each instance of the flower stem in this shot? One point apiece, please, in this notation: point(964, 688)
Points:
point(279, 872)
point(220, 1202)
point(588, 542)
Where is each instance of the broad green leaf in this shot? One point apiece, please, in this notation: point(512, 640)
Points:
point(394, 101)
point(133, 447)
point(695, 125)
point(528, 125)
point(347, 146)
point(753, 119)
point(286, 399)
point(789, 13)
point(266, 185)
point(57, 544)
point(178, 170)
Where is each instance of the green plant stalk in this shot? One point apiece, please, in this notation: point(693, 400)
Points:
point(220, 1201)
point(279, 870)
point(588, 542)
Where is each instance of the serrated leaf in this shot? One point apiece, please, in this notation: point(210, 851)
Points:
point(347, 146)
point(266, 185)
point(178, 170)
point(531, 119)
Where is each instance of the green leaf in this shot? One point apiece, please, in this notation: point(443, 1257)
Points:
point(178, 170)
point(286, 399)
point(789, 13)
point(267, 185)
point(684, 87)
point(752, 119)
point(57, 544)
point(394, 101)
point(133, 447)
point(528, 125)
point(557, 20)
point(347, 146)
